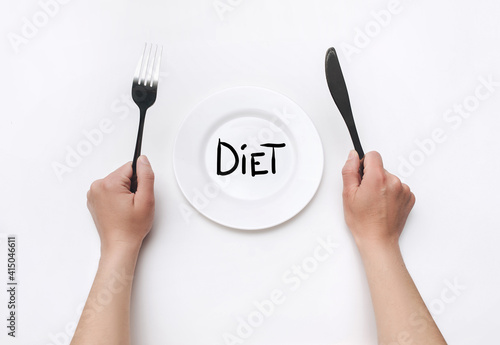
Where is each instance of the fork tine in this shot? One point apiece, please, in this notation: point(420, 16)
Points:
point(156, 75)
point(149, 76)
point(145, 62)
point(138, 69)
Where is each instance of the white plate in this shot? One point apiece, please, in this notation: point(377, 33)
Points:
point(251, 116)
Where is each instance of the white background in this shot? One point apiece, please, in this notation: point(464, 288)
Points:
point(195, 278)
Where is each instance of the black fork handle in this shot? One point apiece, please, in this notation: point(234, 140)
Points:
point(137, 153)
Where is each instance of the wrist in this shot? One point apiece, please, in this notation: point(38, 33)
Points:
point(381, 255)
point(368, 245)
point(119, 249)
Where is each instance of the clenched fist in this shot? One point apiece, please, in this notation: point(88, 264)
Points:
point(123, 218)
point(375, 207)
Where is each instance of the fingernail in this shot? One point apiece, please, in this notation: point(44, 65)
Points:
point(144, 160)
point(352, 154)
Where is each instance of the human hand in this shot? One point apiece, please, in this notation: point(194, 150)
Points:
point(375, 207)
point(123, 218)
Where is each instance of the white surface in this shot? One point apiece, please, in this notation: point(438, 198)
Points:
point(254, 193)
point(196, 278)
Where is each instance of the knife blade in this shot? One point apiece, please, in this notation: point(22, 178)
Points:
point(338, 90)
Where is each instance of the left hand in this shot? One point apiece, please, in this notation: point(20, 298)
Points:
point(123, 217)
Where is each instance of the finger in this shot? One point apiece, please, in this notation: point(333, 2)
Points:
point(350, 172)
point(125, 171)
point(412, 200)
point(94, 187)
point(373, 161)
point(145, 181)
point(121, 176)
point(374, 171)
point(393, 182)
point(406, 188)
point(89, 206)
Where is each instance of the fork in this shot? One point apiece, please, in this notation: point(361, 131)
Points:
point(144, 90)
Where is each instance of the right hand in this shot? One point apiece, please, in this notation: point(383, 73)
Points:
point(376, 206)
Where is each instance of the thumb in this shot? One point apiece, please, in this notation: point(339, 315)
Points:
point(145, 180)
point(350, 171)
